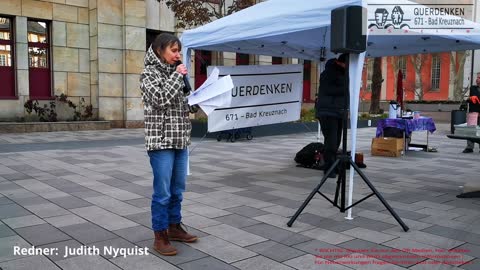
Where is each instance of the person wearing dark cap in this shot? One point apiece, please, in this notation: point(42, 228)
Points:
point(330, 105)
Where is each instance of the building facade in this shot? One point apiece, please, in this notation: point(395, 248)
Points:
point(94, 49)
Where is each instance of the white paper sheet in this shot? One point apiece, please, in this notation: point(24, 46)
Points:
point(213, 93)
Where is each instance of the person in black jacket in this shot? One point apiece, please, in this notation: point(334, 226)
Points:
point(330, 104)
point(474, 107)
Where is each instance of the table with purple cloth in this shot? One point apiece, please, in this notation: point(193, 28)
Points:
point(408, 125)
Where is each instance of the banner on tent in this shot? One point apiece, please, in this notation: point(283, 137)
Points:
point(261, 95)
point(397, 17)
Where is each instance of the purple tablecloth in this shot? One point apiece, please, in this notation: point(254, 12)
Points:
point(409, 125)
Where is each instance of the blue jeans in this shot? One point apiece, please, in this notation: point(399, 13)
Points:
point(169, 175)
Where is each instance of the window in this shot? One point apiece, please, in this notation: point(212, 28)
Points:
point(3, 60)
point(435, 72)
point(276, 60)
point(39, 59)
point(203, 59)
point(7, 72)
point(242, 59)
point(402, 65)
point(369, 74)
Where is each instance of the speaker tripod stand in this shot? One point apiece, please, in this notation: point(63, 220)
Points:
point(342, 162)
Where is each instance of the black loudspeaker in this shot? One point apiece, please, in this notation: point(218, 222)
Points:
point(347, 35)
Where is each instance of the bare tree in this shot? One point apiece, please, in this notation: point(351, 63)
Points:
point(457, 63)
point(376, 86)
point(418, 61)
point(395, 66)
point(192, 13)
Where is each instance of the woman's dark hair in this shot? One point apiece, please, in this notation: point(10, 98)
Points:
point(165, 40)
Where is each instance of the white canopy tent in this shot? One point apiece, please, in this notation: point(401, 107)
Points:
point(301, 28)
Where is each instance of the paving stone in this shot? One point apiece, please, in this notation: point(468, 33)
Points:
point(261, 263)
point(104, 218)
point(60, 255)
point(144, 262)
point(428, 251)
point(234, 235)
point(70, 202)
point(12, 210)
point(114, 206)
point(66, 220)
point(144, 219)
point(406, 214)
point(143, 202)
point(427, 238)
point(472, 250)
point(20, 193)
point(30, 200)
point(276, 234)
point(28, 263)
point(257, 195)
point(310, 262)
point(237, 221)
point(369, 235)
point(370, 224)
point(5, 200)
point(206, 211)
point(208, 263)
point(275, 251)
point(87, 233)
point(472, 265)
point(5, 231)
point(363, 263)
point(228, 253)
point(15, 176)
point(6, 247)
point(433, 205)
point(287, 203)
point(412, 224)
point(87, 262)
point(135, 234)
point(382, 252)
point(185, 253)
point(47, 210)
point(460, 235)
point(220, 203)
point(330, 237)
point(433, 265)
point(281, 222)
point(199, 222)
point(25, 221)
point(42, 234)
point(247, 211)
point(325, 223)
point(86, 193)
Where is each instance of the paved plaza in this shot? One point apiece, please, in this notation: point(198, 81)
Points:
point(93, 189)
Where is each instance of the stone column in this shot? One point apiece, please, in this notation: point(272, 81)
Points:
point(117, 41)
point(21, 65)
point(134, 34)
point(93, 56)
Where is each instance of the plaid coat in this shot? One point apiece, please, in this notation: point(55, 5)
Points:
point(167, 123)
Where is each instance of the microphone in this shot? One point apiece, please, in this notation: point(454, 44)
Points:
point(187, 89)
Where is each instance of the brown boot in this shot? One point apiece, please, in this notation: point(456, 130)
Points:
point(162, 245)
point(177, 233)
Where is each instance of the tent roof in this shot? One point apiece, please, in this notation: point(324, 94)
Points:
point(299, 28)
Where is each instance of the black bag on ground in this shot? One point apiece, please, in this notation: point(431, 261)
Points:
point(311, 156)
